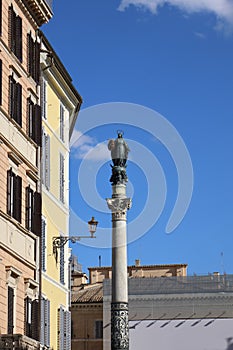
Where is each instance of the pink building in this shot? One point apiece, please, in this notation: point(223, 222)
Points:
point(20, 141)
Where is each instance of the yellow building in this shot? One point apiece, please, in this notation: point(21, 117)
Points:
point(60, 103)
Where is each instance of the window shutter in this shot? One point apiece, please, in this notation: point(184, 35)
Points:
point(36, 220)
point(42, 322)
point(37, 124)
point(17, 197)
point(11, 96)
point(29, 53)
point(18, 38)
point(37, 62)
point(43, 97)
point(47, 161)
point(35, 320)
point(28, 316)
point(61, 329)
point(62, 263)
point(11, 23)
point(67, 330)
point(28, 121)
point(62, 122)
point(18, 117)
point(9, 191)
point(10, 325)
point(62, 178)
point(47, 323)
point(28, 208)
point(43, 245)
point(43, 155)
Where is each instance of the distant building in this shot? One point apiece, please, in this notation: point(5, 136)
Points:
point(166, 307)
point(20, 191)
point(87, 307)
point(60, 104)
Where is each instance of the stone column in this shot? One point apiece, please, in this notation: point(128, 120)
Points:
point(119, 204)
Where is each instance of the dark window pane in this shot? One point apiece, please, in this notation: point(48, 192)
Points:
point(10, 311)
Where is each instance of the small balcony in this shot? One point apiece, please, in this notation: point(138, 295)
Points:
point(18, 341)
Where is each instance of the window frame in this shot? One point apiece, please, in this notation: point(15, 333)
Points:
point(98, 329)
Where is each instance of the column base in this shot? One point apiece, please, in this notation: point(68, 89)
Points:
point(119, 326)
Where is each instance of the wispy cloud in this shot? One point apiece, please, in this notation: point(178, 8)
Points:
point(223, 9)
point(200, 35)
point(84, 146)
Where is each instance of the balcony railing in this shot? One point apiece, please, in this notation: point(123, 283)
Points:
point(177, 285)
point(18, 341)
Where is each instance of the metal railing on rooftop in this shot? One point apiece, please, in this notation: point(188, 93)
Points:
point(177, 285)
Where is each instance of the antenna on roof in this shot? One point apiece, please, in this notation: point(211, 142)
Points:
point(222, 264)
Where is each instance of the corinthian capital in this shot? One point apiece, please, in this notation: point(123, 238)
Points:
point(119, 204)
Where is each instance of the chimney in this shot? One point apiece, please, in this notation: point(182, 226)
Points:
point(137, 262)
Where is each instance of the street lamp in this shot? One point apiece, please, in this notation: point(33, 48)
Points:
point(60, 241)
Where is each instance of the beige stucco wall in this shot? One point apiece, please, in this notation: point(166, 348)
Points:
point(83, 326)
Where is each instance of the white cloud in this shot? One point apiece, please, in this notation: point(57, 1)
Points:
point(200, 35)
point(84, 146)
point(223, 9)
point(78, 139)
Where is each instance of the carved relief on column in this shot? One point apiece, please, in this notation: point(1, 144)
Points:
point(119, 326)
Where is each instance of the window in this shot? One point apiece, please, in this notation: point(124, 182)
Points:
point(15, 33)
point(98, 329)
point(33, 211)
point(31, 318)
point(46, 160)
point(15, 100)
point(10, 311)
point(14, 195)
point(34, 121)
point(43, 98)
point(64, 329)
point(45, 322)
point(0, 82)
point(62, 264)
point(62, 120)
point(62, 179)
point(43, 245)
point(33, 59)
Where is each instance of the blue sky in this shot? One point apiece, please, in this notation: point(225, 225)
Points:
point(173, 57)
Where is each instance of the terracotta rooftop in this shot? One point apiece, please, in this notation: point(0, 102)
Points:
point(89, 294)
